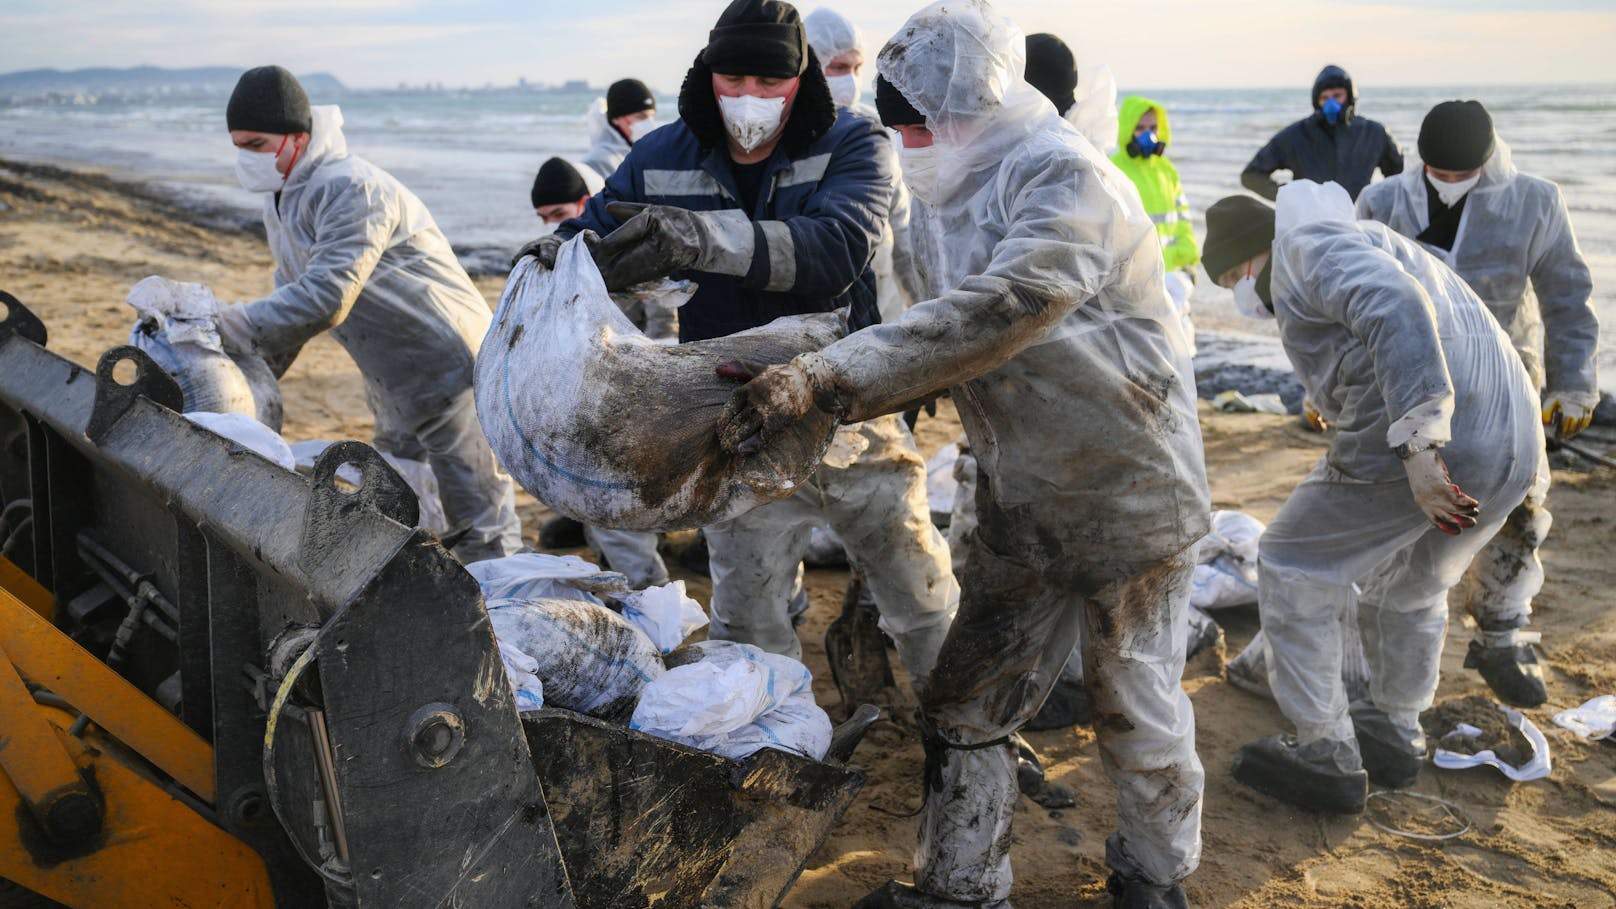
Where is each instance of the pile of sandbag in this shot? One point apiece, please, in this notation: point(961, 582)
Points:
point(1226, 562)
point(610, 428)
point(178, 328)
point(564, 645)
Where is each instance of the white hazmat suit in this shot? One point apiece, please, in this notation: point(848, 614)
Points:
point(1517, 251)
point(1071, 375)
point(356, 253)
point(1392, 346)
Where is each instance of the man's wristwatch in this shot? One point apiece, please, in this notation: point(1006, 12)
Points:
point(1413, 447)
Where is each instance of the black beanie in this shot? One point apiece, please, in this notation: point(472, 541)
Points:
point(758, 38)
point(894, 108)
point(1237, 229)
point(1052, 69)
point(558, 182)
point(268, 99)
point(628, 96)
point(1456, 135)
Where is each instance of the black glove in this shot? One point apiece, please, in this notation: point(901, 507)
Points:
point(544, 249)
point(655, 241)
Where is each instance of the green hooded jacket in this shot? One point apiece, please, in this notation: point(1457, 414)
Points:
point(1157, 181)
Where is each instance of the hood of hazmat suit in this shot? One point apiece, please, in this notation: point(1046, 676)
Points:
point(1158, 183)
point(1050, 319)
point(1382, 371)
point(358, 254)
point(1094, 112)
point(607, 147)
point(605, 425)
point(1517, 251)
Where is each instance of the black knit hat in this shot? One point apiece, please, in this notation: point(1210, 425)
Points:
point(894, 108)
point(758, 38)
point(1457, 135)
point(558, 182)
point(1237, 229)
point(628, 96)
point(268, 99)
point(1052, 69)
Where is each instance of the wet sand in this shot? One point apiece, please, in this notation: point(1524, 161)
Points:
point(71, 244)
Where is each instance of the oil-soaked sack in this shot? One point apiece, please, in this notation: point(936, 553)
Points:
point(178, 328)
point(587, 657)
point(604, 425)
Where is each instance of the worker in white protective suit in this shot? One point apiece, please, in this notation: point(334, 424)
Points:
point(624, 116)
point(1437, 440)
point(839, 45)
point(1508, 234)
point(359, 255)
point(1052, 327)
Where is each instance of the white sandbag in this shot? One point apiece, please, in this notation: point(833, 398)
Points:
point(178, 328)
point(941, 487)
point(542, 576)
point(417, 474)
point(523, 672)
point(1226, 570)
point(734, 700)
point(1595, 719)
point(610, 428)
point(666, 614)
point(653, 307)
point(588, 658)
point(963, 519)
point(1537, 765)
point(246, 431)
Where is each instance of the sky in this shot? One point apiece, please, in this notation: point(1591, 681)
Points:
point(1147, 43)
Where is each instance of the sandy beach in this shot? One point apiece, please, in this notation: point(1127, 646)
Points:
point(72, 243)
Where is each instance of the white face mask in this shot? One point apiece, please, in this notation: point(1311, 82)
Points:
point(1246, 300)
point(638, 129)
point(751, 120)
point(844, 90)
point(256, 171)
point(1451, 193)
point(919, 171)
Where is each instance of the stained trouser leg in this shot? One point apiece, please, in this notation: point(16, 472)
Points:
point(754, 561)
point(475, 491)
point(633, 553)
point(878, 506)
point(1507, 574)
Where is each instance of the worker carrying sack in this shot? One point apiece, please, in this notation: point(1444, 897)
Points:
point(604, 425)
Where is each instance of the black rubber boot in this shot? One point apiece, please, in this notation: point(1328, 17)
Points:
point(1136, 893)
point(1205, 636)
point(694, 555)
point(1310, 779)
point(562, 532)
point(1512, 673)
point(1391, 756)
point(1030, 778)
point(893, 895)
point(1068, 705)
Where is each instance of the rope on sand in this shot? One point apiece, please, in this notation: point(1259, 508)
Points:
point(1392, 797)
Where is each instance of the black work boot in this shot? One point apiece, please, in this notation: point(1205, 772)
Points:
point(1512, 672)
point(1068, 705)
point(1030, 778)
point(1392, 756)
point(893, 895)
point(562, 532)
point(1313, 778)
point(1137, 893)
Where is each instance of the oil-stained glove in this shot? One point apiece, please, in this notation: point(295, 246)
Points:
point(1448, 508)
point(653, 242)
point(1315, 420)
point(544, 249)
point(1564, 417)
point(773, 398)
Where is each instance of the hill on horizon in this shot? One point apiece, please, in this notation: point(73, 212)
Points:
point(88, 86)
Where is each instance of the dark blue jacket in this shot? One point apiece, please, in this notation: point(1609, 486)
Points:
point(1346, 152)
point(819, 218)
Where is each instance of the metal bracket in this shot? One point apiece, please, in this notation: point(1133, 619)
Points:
point(113, 398)
point(20, 321)
point(330, 509)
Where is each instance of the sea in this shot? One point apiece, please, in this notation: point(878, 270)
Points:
point(471, 156)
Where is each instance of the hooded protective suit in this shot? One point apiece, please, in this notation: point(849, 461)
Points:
point(1392, 346)
point(1346, 152)
point(1072, 379)
point(1517, 251)
point(607, 147)
point(356, 253)
point(897, 286)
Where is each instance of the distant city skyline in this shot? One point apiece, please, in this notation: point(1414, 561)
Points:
point(1147, 43)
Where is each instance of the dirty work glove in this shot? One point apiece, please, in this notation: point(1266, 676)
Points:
point(1315, 420)
point(1564, 417)
point(773, 398)
point(658, 240)
point(1449, 509)
point(236, 333)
